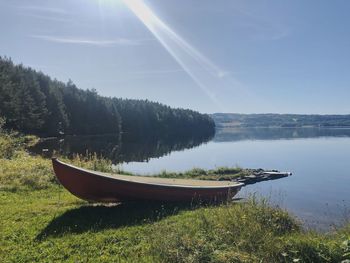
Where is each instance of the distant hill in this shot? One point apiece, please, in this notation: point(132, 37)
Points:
point(279, 120)
point(32, 102)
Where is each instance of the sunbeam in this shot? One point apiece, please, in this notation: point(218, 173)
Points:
point(205, 73)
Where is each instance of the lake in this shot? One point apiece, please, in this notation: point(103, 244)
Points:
point(318, 192)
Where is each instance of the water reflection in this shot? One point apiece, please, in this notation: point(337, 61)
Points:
point(239, 134)
point(119, 148)
point(124, 149)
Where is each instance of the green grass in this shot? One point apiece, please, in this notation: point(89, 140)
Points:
point(221, 173)
point(41, 222)
point(51, 225)
point(20, 170)
point(24, 171)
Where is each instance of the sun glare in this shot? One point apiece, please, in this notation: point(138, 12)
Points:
point(143, 12)
point(205, 73)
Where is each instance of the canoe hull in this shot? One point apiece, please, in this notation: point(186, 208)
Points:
point(93, 187)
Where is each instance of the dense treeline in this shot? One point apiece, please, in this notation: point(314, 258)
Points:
point(32, 102)
point(280, 120)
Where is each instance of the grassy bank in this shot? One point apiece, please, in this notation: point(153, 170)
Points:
point(26, 172)
point(52, 225)
point(42, 222)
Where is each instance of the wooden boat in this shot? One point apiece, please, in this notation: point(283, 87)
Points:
point(111, 188)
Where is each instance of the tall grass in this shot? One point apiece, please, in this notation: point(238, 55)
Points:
point(11, 141)
point(34, 172)
point(221, 173)
point(19, 169)
point(246, 232)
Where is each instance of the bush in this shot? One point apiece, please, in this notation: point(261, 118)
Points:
point(24, 170)
point(8, 145)
point(11, 141)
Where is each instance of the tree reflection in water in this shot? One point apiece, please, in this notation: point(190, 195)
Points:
point(119, 148)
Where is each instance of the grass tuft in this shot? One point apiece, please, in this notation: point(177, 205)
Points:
point(221, 173)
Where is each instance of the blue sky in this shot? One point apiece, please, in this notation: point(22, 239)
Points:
point(212, 56)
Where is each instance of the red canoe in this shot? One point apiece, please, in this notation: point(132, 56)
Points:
point(110, 188)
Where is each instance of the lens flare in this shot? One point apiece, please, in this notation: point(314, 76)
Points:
point(208, 76)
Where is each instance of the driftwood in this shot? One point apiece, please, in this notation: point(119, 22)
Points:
point(260, 175)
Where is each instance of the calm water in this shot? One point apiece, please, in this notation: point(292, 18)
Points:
point(318, 193)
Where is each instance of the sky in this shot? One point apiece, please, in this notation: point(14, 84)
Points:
point(257, 56)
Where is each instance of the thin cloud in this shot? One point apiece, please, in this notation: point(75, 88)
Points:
point(51, 18)
point(45, 13)
point(44, 9)
point(92, 42)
